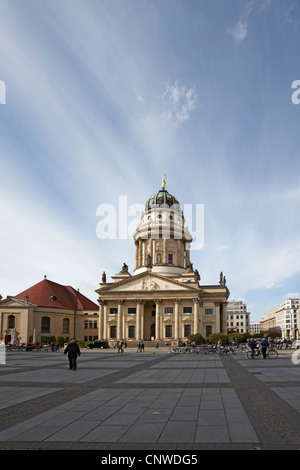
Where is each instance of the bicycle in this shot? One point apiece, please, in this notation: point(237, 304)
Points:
point(256, 354)
point(174, 349)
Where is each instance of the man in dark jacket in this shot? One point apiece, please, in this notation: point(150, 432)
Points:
point(252, 345)
point(264, 345)
point(73, 351)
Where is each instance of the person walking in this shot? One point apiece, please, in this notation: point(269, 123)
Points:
point(252, 345)
point(73, 351)
point(264, 346)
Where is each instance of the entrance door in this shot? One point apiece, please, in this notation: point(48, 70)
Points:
point(7, 339)
point(152, 331)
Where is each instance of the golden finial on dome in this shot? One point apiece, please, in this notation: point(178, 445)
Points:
point(164, 182)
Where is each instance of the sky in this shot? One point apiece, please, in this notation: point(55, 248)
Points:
point(100, 98)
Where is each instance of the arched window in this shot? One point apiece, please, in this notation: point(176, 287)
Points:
point(45, 326)
point(66, 325)
point(11, 321)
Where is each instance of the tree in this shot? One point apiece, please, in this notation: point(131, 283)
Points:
point(215, 337)
point(242, 337)
point(272, 334)
point(197, 338)
point(60, 341)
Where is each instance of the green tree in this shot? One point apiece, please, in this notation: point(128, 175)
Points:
point(197, 339)
point(60, 341)
point(242, 337)
point(215, 337)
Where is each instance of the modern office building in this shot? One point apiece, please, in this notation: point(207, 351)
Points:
point(254, 327)
point(238, 319)
point(284, 318)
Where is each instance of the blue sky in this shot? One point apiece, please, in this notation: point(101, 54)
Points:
point(105, 96)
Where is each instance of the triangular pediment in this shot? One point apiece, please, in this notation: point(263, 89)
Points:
point(147, 282)
point(13, 302)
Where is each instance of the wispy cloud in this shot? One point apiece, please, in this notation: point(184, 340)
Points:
point(292, 15)
point(239, 31)
point(102, 101)
point(178, 102)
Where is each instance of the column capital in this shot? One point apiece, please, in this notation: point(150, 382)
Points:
point(102, 302)
point(139, 301)
point(157, 301)
point(176, 301)
point(120, 301)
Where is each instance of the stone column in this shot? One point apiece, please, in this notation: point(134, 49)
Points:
point(136, 254)
point(196, 316)
point(165, 253)
point(224, 318)
point(187, 254)
point(153, 252)
point(139, 312)
point(140, 253)
point(177, 260)
point(102, 322)
point(177, 320)
point(120, 319)
point(157, 319)
point(217, 315)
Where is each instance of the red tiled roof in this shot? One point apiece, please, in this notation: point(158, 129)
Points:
point(50, 294)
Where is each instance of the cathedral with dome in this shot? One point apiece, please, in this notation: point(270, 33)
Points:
point(163, 300)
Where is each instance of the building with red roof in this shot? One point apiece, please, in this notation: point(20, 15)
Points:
point(48, 310)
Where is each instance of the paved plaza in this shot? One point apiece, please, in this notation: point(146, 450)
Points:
point(148, 401)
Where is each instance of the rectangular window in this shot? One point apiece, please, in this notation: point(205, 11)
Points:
point(113, 331)
point(66, 324)
point(168, 309)
point(187, 330)
point(168, 331)
point(95, 324)
point(131, 309)
point(113, 310)
point(187, 309)
point(208, 330)
point(45, 325)
point(170, 259)
point(131, 331)
point(86, 324)
point(209, 311)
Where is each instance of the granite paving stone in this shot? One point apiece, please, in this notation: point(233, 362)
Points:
point(156, 399)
